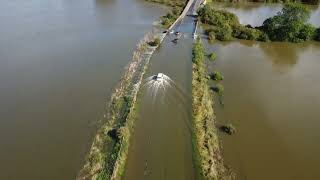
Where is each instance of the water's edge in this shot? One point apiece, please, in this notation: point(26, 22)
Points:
point(205, 140)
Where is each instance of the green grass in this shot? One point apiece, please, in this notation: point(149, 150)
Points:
point(213, 56)
point(206, 147)
point(176, 9)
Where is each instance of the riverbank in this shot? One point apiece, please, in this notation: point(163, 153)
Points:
point(207, 153)
point(107, 157)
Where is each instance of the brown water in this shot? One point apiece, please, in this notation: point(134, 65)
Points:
point(59, 62)
point(161, 146)
point(272, 97)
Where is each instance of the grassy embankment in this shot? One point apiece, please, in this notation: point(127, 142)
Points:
point(289, 25)
point(207, 154)
point(176, 9)
point(108, 153)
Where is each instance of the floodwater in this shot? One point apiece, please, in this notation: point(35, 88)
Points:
point(59, 62)
point(161, 146)
point(255, 13)
point(271, 95)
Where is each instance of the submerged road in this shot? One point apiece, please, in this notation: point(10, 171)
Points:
point(161, 146)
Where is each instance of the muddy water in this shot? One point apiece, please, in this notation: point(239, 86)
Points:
point(59, 61)
point(255, 13)
point(272, 97)
point(161, 146)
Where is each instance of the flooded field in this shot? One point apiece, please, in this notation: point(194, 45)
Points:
point(59, 62)
point(271, 94)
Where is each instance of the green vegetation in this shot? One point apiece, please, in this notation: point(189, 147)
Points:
point(177, 7)
point(218, 89)
point(288, 25)
point(213, 56)
point(198, 53)
point(224, 26)
point(216, 76)
point(155, 42)
point(168, 19)
point(207, 154)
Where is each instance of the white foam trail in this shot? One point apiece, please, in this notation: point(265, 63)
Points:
point(157, 86)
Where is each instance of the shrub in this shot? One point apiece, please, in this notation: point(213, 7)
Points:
point(198, 52)
point(308, 32)
point(213, 56)
point(289, 24)
point(218, 89)
point(168, 19)
point(223, 32)
point(263, 37)
point(155, 42)
point(217, 76)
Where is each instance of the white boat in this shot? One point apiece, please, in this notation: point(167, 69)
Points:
point(159, 76)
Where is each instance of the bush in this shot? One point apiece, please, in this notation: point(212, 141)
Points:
point(217, 76)
point(223, 32)
point(213, 56)
point(155, 42)
point(289, 24)
point(218, 89)
point(198, 52)
point(247, 33)
point(263, 37)
point(307, 32)
point(168, 19)
point(222, 22)
point(211, 16)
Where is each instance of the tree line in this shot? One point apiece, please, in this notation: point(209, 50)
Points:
point(290, 24)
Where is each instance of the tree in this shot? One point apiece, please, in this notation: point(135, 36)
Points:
point(289, 24)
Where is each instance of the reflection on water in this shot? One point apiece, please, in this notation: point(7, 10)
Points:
point(272, 96)
point(255, 13)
